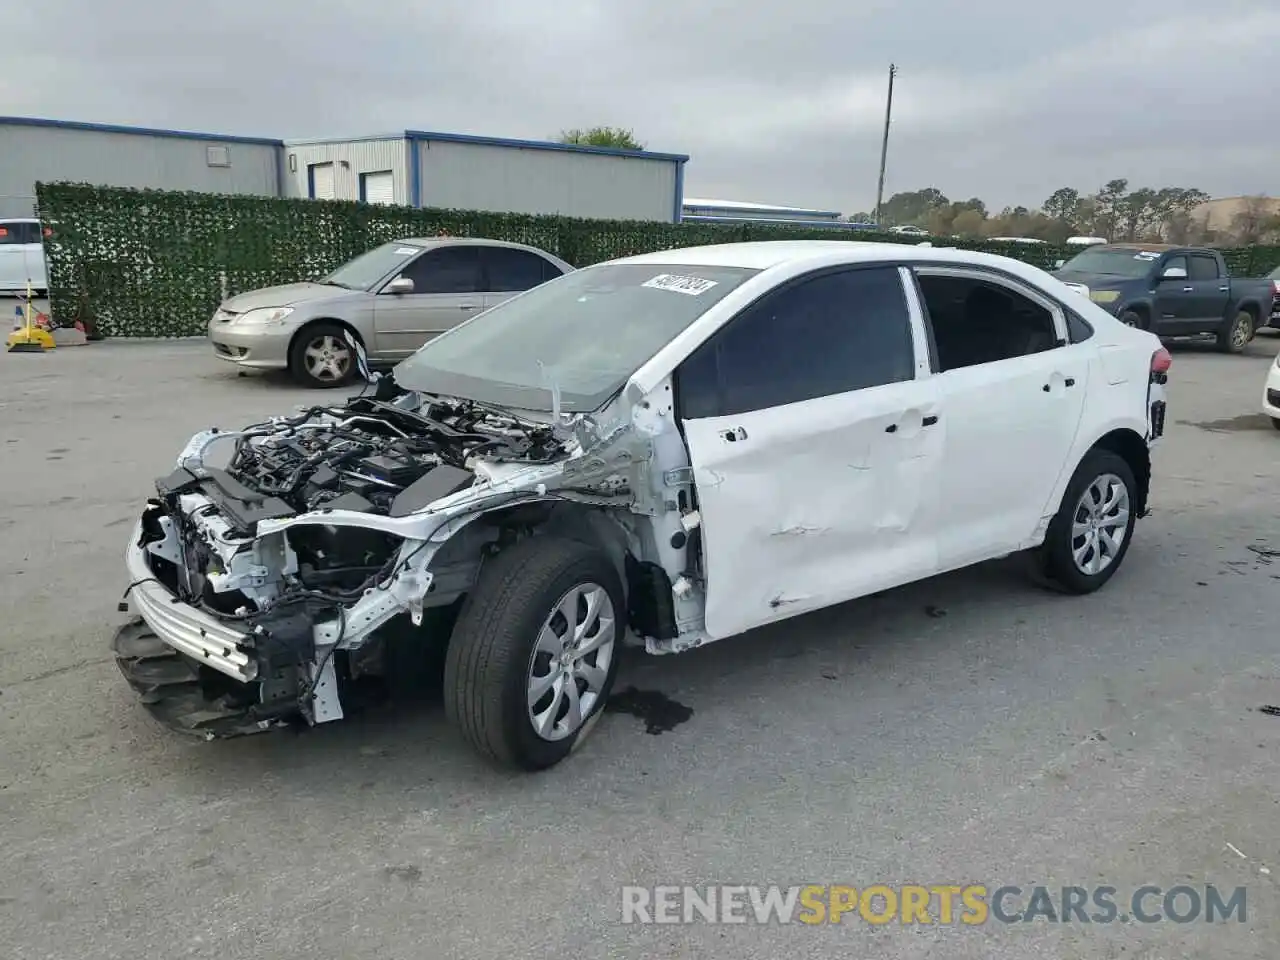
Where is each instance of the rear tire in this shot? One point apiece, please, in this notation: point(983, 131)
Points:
point(1275, 422)
point(1235, 336)
point(1089, 537)
point(504, 687)
point(320, 356)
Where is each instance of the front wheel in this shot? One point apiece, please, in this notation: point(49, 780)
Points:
point(321, 357)
point(1234, 337)
point(1132, 318)
point(1275, 422)
point(1088, 538)
point(534, 653)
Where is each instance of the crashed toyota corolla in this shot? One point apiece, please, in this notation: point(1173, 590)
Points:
point(663, 451)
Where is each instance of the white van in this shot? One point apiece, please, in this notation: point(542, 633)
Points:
point(22, 256)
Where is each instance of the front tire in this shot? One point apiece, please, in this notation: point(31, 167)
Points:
point(534, 653)
point(1235, 336)
point(1090, 535)
point(1275, 422)
point(321, 357)
point(1132, 318)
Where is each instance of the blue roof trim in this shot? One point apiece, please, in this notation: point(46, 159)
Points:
point(543, 145)
point(322, 141)
point(760, 211)
point(141, 131)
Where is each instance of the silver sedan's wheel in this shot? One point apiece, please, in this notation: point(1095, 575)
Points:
point(1100, 524)
point(570, 661)
point(327, 358)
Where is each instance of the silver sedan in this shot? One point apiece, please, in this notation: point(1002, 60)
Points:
point(394, 298)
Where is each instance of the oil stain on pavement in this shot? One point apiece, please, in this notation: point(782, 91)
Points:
point(659, 712)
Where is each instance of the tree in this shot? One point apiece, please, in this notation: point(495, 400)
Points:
point(912, 207)
point(968, 223)
point(1063, 205)
point(616, 137)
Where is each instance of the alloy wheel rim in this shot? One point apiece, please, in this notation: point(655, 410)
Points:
point(570, 661)
point(327, 358)
point(1100, 524)
point(1240, 336)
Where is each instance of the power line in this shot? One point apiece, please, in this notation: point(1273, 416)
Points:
point(884, 145)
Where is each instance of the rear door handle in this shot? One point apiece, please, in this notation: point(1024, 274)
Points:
point(468, 306)
point(1188, 289)
point(926, 422)
point(930, 421)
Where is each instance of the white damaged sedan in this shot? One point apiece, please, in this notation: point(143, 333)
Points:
point(664, 450)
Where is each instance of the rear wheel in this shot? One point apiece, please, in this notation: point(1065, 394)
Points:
point(533, 655)
point(1235, 336)
point(321, 357)
point(1088, 538)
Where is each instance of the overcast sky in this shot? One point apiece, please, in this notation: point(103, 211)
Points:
point(776, 102)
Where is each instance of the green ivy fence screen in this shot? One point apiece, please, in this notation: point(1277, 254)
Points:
point(153, 263)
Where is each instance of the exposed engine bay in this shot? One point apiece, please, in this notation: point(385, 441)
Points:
point(327, 531)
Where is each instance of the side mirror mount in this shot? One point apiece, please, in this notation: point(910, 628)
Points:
point(399, 286)
point(1174, 273)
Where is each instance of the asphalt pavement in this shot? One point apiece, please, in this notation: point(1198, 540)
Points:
point(970, 729)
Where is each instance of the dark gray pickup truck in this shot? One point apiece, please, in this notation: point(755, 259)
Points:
point(1172, 291)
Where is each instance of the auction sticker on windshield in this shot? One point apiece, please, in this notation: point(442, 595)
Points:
point(405, 251)
point(693, 286)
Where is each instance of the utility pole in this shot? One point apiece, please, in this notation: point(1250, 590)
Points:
point(884, 146)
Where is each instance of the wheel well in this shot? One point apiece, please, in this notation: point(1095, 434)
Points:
point(297, 335)
point(646, 587)
point(1252, 309)
point(1133, 448)
point(1141, 309)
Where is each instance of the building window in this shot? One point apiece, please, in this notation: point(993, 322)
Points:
point(217, 155)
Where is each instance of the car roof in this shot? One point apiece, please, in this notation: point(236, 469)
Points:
point(764, 254)
point(426, 242)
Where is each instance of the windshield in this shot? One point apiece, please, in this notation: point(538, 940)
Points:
point(591, 329)
point(366, 270)
point(1131, 263)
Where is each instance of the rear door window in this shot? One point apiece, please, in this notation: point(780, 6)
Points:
point(514, 271)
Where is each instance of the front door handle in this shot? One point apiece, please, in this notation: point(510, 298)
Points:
point(930, 421)
point(1188, 289)
point(734, 435)
point(468, 306)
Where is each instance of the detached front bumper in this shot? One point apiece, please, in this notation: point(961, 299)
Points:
point(188, 630)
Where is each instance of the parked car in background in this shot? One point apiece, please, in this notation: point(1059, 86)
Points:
point(1085, 241)
point(911, 231)
point(1271, 393)
point(667, 450)
point(1172, 291)
point(22, 256)
point(1274, 277)
point(393, 298)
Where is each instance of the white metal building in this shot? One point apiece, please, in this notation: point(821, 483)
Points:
point(33, 149)
point(464, 172)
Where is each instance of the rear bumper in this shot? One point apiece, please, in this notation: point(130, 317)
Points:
point(187, 629)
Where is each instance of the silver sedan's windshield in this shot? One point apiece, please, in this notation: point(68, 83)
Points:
point(372, 265)
point(586, 332)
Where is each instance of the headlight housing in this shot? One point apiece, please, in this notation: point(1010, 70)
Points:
point(1104, 296)
point(263, 316)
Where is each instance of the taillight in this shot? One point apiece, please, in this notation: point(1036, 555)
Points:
point(1161, 361)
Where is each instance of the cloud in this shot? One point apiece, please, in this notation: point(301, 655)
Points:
point(783, 103)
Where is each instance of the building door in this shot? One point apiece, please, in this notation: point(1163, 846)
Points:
point(378, 187)
point(320, 180)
